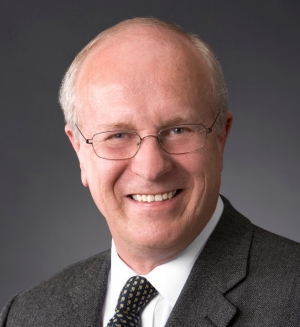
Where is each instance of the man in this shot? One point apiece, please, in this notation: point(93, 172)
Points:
point(146, 112)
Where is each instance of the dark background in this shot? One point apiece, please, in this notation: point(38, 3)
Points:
point(47, 218)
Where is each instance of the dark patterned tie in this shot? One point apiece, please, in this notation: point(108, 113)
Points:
point(134, 296)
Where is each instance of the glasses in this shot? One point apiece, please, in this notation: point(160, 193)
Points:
point(120, 145)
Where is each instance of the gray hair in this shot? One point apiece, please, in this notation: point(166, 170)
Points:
point(70, 102)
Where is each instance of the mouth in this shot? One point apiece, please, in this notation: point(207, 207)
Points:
point(154, 197)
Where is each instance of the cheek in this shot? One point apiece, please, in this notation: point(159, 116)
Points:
point(203, 166)
point(214, 157)
point(195, 164)
point(103, 177)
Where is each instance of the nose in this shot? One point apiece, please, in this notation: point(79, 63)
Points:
point(151, 161)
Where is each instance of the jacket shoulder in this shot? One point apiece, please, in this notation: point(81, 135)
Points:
point(56, 296)
point(73, 274)
point(275, 254)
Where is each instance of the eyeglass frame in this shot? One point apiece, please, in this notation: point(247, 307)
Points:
point(207, 129)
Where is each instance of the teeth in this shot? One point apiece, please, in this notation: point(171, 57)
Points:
point(154, 198)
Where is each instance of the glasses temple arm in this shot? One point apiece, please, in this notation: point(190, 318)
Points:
point(88, 141)
point(209, 129)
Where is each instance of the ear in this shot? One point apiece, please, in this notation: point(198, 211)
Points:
point(225, 129)
point(79, 151)
point(223, 136)
point(75, 143)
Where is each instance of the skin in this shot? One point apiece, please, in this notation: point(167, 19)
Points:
point(145, 79)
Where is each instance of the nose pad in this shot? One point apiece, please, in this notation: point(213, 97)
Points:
point(139, 144)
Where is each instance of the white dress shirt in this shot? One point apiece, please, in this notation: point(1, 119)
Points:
point(168, 278)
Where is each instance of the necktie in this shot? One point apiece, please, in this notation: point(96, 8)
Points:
point(134, 296)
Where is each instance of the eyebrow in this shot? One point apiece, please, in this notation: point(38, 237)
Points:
point(130, 127)
point(181, 120)
point(115, 127)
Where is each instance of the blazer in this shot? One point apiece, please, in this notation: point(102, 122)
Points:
point(245, 276)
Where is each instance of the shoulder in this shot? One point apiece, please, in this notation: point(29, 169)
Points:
point(60, 292)
point(73, 274)
point(275, 254)
point(262, 241)
point(264, 244)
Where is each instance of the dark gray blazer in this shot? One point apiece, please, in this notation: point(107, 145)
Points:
point(245, 276)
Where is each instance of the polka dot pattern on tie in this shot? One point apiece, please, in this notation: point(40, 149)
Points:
point(134, 296)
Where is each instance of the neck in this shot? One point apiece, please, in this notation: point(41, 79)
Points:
point(142, 261)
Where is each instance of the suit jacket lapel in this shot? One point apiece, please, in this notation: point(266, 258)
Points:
point(220, 267)
point(88, 293)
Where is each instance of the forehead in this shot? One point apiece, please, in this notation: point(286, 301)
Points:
point(147, 65)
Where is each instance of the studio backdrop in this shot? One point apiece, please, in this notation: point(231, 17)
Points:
point(48, 219)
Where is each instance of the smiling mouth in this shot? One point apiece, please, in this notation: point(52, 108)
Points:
point(154, 197)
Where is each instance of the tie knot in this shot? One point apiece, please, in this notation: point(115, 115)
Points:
point(136, 293)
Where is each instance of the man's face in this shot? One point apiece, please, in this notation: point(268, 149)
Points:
point(144, 82)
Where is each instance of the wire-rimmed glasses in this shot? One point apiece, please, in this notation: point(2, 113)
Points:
point(120, 144)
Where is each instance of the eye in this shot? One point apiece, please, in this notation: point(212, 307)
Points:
point(115, 137)
point(118, 136)
point(178, 130)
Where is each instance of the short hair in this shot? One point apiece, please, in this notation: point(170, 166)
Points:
point(70, 103)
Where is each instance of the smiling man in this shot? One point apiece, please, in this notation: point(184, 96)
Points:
point(146, 111)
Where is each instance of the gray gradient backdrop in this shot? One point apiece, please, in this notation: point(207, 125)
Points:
point(48, 219)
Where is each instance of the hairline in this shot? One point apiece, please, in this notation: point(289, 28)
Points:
point(70, 101)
